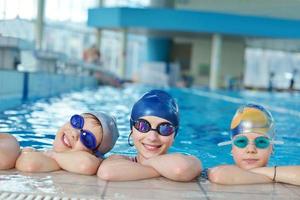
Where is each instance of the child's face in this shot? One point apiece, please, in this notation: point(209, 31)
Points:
point(68, 138)
point(251, 156)
point(151, 144)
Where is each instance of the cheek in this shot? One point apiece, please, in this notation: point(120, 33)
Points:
point(237, 154)
point(265, 155)
point(80, 147)
point(136, 137)
point(168, 141)
point(58, 137)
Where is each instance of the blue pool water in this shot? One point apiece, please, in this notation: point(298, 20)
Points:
point(205, 118)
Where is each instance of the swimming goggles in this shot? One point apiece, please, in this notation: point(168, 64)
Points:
point(260, 142)
point(87, 138)
point(164, 128)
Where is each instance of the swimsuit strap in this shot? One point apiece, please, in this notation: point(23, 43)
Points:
point(134, 159)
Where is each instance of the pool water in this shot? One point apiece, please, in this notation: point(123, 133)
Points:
point(204, 119)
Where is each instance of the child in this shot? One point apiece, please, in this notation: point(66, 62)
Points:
point(154, 124)
point(252, 133)
point(9, 151)
point(78, 147)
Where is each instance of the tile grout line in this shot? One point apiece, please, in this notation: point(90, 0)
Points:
point(202, 189)
point(104, 190)
point(289, 189)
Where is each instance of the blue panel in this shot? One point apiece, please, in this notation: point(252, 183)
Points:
point(106, 17)
point(158, 49)
point(193, 21)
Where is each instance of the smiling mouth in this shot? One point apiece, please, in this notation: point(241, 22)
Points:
point(151, 147)
point(66, 141)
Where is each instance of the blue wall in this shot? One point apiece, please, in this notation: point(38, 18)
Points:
point(17, 87)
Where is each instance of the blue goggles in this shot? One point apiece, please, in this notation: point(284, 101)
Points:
point(164, 128)
point(87, 138)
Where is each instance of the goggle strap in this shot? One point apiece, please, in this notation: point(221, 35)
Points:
point(224, 143)
point(277, 142)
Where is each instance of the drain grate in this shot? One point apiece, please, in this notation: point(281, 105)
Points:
point(22, 196)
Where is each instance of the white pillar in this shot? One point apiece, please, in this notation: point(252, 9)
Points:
point(215, 61)
point(98, 31)
point(123, 54)
point(39, 25)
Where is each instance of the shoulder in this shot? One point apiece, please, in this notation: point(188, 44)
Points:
point(116, 157)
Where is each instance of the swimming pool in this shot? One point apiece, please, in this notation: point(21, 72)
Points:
point(205, 118)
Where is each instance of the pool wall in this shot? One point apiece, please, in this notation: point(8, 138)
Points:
point(16, 87)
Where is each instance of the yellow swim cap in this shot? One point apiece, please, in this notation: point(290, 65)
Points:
point(252, 118)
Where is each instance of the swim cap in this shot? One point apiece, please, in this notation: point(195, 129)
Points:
point(110, 132)
point(156, 103)
point(252, 118)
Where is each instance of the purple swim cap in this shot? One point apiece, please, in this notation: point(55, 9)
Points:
point(156, 103)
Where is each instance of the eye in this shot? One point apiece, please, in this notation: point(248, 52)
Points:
point(142, 126)
point(166, 129)
point(241, 141)
point(262, 141)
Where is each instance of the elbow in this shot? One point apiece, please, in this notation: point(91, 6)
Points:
point(216, 175)
point(105, 173)
point(180, 174)
point(108, 172)
point(89, 167)
point(6, 164)
point(187, 171)
point(26, 164)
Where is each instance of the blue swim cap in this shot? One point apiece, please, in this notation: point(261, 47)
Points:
point(156, 103)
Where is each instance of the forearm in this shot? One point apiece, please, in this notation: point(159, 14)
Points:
point(232, 175)
point(125, 170)
point(176, 167)
point(77, 162)
point(283, 174)
point(36, 162)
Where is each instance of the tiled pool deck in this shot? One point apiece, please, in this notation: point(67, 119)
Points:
point(64, 185)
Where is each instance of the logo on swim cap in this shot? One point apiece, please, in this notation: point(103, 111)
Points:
point(252, 118)
point(156, 103)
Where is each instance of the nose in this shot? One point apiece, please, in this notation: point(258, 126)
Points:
point(152, 135)
point(74, 133)
point(251, 148)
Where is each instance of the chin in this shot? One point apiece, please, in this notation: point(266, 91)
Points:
point(248, 167)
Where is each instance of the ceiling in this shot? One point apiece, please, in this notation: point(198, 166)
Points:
point(289, 9)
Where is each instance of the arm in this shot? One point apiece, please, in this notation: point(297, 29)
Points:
point(80, 162)
point(9, 151)
point(176, 167)
point(284, 174)
point(120, 168)
point(32, 161)
point(232, 175)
